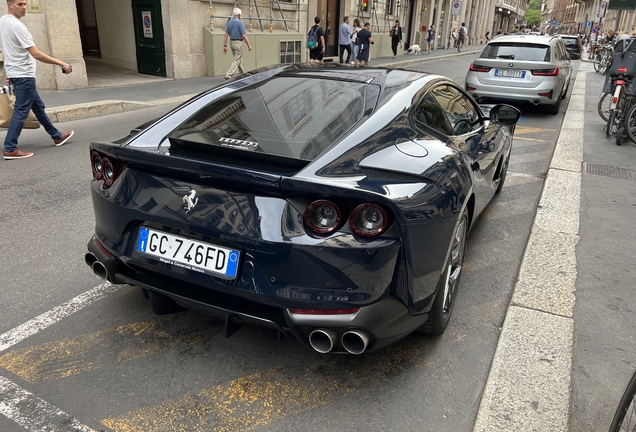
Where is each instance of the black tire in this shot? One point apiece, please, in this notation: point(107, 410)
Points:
point(439, 316)
point(625, 415)
point(630, 124)
point(554, 109)
point(603, 106)
point(502, 174)
point(565, 92)
point(619, 135)
point(609, 128)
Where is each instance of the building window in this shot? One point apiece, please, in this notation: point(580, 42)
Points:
point(389, 7)
point(290, 52)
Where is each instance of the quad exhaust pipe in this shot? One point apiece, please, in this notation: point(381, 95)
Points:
point(355, 341)
point(98, 268)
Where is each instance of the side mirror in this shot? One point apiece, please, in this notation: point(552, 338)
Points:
point(504, 114)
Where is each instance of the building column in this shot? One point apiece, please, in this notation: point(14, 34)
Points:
point(180, 61)
point(55, 31)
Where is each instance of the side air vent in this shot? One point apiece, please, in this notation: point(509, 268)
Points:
point(391, 176)
point(402, 283)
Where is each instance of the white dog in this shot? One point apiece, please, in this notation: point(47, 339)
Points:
point(415, 49)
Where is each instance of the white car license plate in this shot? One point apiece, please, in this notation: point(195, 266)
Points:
point(510, 73)
point(190, 254)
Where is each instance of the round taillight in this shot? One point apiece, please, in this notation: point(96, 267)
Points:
point(368, 220)
point(108, 171)
point(96, 163)
point(322, 216)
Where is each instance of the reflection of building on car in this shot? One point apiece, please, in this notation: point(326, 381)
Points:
point(326, 204)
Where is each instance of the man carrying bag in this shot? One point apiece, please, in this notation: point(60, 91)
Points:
point(20, 54)
point(7, 102)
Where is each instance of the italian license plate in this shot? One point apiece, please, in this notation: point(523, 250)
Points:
point(510, 73)
point(190, 254)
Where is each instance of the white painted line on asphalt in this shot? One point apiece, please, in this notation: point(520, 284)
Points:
point(33, 413)
point(39, 323)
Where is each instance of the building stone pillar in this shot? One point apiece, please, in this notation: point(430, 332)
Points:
point(181, 61)
point(56, 32)
point(490, 20)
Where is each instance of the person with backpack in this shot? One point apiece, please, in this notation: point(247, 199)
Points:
point(463, 31)
point(316, 42)
point(430, 37)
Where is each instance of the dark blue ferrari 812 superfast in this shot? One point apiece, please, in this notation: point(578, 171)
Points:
point(326, 202)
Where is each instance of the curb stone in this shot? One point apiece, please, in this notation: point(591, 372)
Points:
point(529, 383)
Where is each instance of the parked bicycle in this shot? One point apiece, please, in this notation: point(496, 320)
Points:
point(621, 86)
point(603, 59)
point(625, 416)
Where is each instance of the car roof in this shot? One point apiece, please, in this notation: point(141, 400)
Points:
point(523, 38)
point(566, 36)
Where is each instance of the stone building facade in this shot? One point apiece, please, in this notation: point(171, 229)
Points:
point(184, 38)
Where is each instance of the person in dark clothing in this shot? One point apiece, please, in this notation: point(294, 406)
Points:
point(396, 37)
point(365, 40)
point(317, 53)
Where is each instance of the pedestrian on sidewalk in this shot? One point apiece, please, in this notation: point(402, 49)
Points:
point(463, 31)
point(396, 37)
point(20, 55)
point(344, 36)
point(318, 52)
point(235, 30)
point(354, 40)
point(487, 36)
point(365, 40)
point(452, 38)
point(430, 38)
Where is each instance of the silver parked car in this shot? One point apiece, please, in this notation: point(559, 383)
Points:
point(522, 68)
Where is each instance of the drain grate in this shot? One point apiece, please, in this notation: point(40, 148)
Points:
point(609, 171)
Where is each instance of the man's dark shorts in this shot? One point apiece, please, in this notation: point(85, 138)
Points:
point(316, 54)
point(363, 54)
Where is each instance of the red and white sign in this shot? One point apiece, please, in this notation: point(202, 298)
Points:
point(146, 19)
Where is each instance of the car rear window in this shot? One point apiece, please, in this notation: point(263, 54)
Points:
point(516, 51)
point(291, 117)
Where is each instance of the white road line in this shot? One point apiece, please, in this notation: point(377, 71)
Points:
point(39, 323)
point(33, 413)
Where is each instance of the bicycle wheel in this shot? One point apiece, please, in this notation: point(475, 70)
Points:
point(603, 66)
point(604, 106)
point(630, 123)
point(597, 62)
point(625, 415)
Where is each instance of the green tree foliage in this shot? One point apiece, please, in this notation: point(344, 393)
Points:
point(533, 17)
point(534, 5)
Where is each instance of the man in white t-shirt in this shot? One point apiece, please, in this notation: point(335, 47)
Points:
point(20, 54)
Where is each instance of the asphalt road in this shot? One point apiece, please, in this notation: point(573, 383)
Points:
point(113, 365)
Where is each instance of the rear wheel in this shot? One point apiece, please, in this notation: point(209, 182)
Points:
point(625, 416)
point(440, 313)
point(554, 109)
point(604, 105)
point(630, 123)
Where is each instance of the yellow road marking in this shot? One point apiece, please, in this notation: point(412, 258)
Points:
point(524, 130)
point(529, 139)
point(73, 356)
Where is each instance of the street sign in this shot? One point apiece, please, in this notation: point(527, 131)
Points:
point(587, 24)
point(603, 9)
point(457, 6)
point(553, 23)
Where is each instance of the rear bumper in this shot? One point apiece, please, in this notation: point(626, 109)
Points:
point(385, 321)
point(515, 94)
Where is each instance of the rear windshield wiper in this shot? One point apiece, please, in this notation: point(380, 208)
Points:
point(509, 56)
